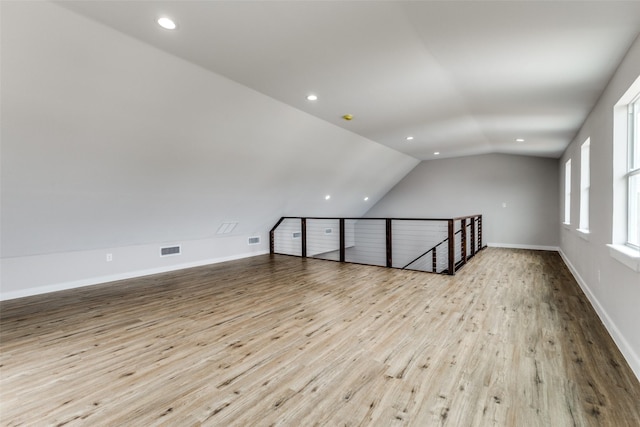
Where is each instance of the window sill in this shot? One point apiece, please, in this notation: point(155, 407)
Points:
point(566, 225)
point(626, 255)
point(583, 233)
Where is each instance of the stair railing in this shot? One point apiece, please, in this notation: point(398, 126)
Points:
point(388, 242)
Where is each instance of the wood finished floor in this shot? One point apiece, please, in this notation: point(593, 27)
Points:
point(508, 341)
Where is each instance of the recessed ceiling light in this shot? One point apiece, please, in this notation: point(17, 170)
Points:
point(312, 97)
point(327, 197)
point(436, 153)
point(409, 138)
point(166, 23)
point(519, 140)
point(366, 198)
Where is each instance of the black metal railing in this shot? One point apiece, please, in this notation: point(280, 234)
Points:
point(404, 243)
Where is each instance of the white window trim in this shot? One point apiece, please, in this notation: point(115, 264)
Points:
point(626, 255)
point(585, 185)
point(567, 192)
point(584, 234)
point(632, 169)
point(620, 249)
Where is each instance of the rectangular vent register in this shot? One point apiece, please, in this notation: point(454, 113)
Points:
point(170, 250)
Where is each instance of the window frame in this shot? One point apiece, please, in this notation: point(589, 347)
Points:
point(585, 185)
point(632, 172)
point(567, 192)
point(624, 150)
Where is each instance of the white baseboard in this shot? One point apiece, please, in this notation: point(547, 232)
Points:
point(627, 351)
point(121, 276)
point(517, 246)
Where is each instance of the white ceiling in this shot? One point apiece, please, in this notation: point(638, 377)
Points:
point(460, 77)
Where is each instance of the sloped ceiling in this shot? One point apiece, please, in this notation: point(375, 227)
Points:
point(108, 142)
point(461, 77)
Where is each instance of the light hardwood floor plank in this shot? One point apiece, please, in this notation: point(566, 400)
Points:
point(277, 340)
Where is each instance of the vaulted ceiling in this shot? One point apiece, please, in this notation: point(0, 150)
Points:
point(459, 77)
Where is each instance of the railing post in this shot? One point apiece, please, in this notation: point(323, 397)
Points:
point(389, 237)
point(452, 249)
point(342, 249)
point(272, 244)
point(272, 236)
point(479, 232)
point(303, 228)
point(473, 236)
point(434, 260)
point(463, 240)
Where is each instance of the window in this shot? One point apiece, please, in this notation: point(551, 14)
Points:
point(567, 192)
point(585, 180)
point(625, 231)
point(633, 174)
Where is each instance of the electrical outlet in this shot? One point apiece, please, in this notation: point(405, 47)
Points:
point(109, 257)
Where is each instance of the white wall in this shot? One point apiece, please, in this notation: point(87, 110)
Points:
point(612, 287)
point(112, 146)
point(447, 188)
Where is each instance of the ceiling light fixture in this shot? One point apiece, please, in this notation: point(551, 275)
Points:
point(347, 117)
point(409, 138)
point(327, 197)
point(312, 97)
point(519, 140)
point(436, 153)
point(166, 23)
point(366, 198)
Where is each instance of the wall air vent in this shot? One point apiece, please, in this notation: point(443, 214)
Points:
point(254, 240)
point(170, 250)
